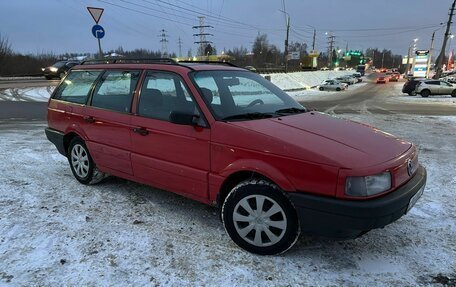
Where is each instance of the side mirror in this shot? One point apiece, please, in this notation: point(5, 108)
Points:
point(183, 118)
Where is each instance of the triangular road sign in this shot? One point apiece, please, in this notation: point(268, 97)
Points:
point(96, 13)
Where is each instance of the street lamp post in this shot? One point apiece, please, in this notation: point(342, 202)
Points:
point(408, 55)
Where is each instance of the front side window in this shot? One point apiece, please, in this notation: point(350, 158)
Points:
point(163, 93)
point(76, 86)
point(115, 90)
point(242, 95)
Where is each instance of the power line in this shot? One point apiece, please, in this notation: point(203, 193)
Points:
point(203, 42)
point(164, 42)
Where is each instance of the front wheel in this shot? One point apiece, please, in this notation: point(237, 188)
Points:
point(321, 89)
point(338, 89)
point(259, 218)
point(81, 163)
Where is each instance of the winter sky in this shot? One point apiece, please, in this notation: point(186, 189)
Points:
point(60, 26)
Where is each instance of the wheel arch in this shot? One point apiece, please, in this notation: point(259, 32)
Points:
point(255, 169)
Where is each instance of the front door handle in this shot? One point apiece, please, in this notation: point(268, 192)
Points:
point(141, 131)
point(89, 119)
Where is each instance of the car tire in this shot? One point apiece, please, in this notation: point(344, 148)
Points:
point(81, 163)
point(62, 75)
point(425, 93)
point(453, 94)
point(270, 229)
point(321, 89)
point(338, 89)
point(412, 94)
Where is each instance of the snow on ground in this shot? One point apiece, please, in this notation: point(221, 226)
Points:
point(55, 231)
point(40, 94)
point(304, 80)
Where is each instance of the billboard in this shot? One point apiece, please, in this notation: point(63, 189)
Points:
point(421, 63)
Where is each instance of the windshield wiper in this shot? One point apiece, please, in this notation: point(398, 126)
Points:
point(250, 116)
point(291, 111)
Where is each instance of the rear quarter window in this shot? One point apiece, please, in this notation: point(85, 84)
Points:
point(115, 90)
point(76, 86)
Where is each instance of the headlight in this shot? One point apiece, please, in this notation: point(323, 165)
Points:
point(362, 186)
point(53, 69)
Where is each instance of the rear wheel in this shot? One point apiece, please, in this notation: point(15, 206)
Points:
point(321, 89)
point(338, 89)
point(453, 94)
point(413, 93)
point(425, 93)
point(259, 218)
point(81, 163)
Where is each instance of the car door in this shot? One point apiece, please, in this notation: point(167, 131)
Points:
point(107, 120)
point(171, 156)
point(446, 88)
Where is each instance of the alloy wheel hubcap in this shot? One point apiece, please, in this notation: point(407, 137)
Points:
point(259, 220)
point(80, 160)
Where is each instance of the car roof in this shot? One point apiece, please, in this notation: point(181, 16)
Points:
point(161, 64)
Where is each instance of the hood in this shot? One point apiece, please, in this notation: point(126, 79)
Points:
point(321, 138)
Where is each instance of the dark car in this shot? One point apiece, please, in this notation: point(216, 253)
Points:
point(410, 85)
point(58, 69)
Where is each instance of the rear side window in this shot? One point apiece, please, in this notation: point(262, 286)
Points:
point(76, 86)
point(163, 93)
point(115, 90)
point(437, 83)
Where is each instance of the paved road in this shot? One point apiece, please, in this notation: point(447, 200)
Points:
point(370, 98)
point(377, 99)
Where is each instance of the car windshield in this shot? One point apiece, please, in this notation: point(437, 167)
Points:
point(243, 95)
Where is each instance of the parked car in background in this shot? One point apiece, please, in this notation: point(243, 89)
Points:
point(58, 69)
point(346, 79)
point(332, 85)
point(194, 129)
point(394, 77)
point(410, 85)
point(435, 87)
point(382, 79)
point(358, 77)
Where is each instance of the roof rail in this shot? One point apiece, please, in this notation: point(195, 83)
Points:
point(210, 62)
point(131, 61)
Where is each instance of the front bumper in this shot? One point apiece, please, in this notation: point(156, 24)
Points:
point(348, 219)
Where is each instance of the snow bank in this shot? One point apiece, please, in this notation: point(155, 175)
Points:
point(55, 231)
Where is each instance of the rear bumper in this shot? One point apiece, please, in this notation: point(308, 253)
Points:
point(349, 219)
point(56, 137)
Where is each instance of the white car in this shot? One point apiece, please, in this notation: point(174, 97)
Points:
point(435, 87)
point(347, 79)
point(332, 85)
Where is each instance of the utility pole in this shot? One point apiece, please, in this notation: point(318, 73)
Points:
point(164, 43)
point(203, 42)
point(331, 41)
point(179, 42)
point(428, 70)
point(313, 42)
point(445, 38)
point(286, 42)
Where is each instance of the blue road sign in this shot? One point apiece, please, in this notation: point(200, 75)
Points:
point(98, 31)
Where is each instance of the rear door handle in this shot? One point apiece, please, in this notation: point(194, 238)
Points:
point(141, 131)
point(89, 119)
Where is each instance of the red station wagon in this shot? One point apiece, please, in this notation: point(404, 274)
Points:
point(227, 137)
